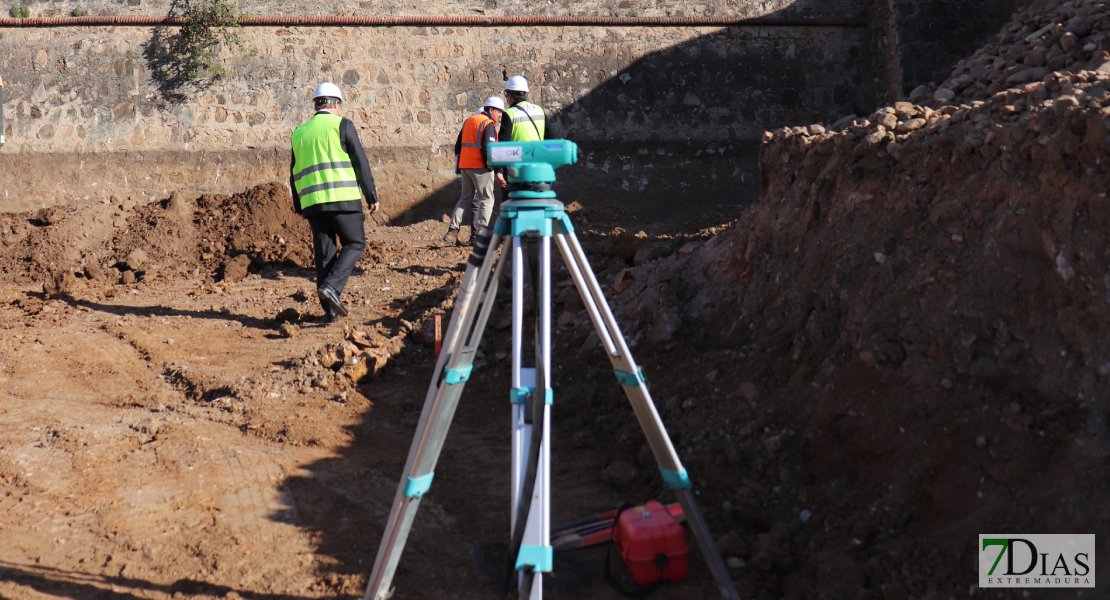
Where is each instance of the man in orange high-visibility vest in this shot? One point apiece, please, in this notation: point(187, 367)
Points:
point(478, 179)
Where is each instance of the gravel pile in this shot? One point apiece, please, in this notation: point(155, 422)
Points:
point(1040, 94)
point(1046, 38)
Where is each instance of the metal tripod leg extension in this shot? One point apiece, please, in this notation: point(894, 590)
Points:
point(530, 550)
point(631, 377)
point(472, 308)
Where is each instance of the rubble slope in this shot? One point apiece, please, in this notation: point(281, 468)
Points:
point(904, 342)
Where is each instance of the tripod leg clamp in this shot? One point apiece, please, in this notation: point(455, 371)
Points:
point(675, 480)
point(520, 395)
point(540, 558)
point(416, 487)
point(630, 379)
point(459, 375)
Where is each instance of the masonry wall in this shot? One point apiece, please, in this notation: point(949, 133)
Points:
point(668, 118)
point(933, 35)
point(91, 112)
point(530, 8)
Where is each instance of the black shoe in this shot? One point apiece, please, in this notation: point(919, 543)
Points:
point(329, 297)
point(328, 318)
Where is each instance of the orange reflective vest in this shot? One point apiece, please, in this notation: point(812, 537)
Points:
point(470, 157)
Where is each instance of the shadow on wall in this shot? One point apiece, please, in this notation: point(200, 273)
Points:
point(936, 34)
point(677, 132)
point(167, 70)
point(169, 57)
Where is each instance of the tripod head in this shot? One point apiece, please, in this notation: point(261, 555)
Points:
point(531, 165)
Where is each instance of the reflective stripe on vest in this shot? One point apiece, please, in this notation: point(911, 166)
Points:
point(525, 129)
point(470, 157)
point(322, 172)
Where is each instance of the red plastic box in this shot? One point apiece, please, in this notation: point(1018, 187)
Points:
point(644, 533)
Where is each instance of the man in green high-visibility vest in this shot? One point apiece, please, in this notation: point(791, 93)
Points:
point(523, 121)
point(328, 171)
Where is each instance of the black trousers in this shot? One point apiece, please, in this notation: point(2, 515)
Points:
point(334, 266)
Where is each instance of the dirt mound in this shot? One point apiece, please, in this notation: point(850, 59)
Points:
point(224, 236)
point(208, 234)
point(903, 344)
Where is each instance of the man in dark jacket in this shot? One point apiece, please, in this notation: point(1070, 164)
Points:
point(329, 169)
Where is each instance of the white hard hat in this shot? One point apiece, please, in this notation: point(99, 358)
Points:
point(328, 89)
point(517, 83)
point(495, 102)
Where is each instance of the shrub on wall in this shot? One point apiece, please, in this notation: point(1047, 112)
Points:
point(208, 23)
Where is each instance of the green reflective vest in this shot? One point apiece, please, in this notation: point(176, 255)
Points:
point(528, 121)
point(322, 171)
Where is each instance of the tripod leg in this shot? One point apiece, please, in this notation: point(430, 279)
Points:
point(635, 387)
point(523, 384)
point(530, 553)
point(472, 308)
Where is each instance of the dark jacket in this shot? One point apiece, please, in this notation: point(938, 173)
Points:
point(348, 137)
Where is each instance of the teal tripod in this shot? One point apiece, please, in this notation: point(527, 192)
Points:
point(528, 222)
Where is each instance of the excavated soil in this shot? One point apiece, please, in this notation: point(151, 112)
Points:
point(904, 343)
point(175, 423)
point(901, 345)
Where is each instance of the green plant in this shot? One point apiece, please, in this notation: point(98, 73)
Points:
point(14, 12)
point(208, 23)
point(20, 12)
point(77, 12)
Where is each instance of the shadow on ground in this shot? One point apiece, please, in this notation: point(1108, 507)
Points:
point(77, 585)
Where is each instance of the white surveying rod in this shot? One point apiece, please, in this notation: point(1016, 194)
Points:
point(2, 140)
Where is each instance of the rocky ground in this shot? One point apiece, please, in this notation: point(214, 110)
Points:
point(900, 346)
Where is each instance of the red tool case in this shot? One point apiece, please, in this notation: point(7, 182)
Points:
point(644, 536)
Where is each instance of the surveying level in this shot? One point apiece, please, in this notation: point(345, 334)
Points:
point(530, 166)
point(528, 221)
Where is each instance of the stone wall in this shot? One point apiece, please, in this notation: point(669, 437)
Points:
point(99, 112)
point(935, 34)
point(523, 8)
point(91, 112)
